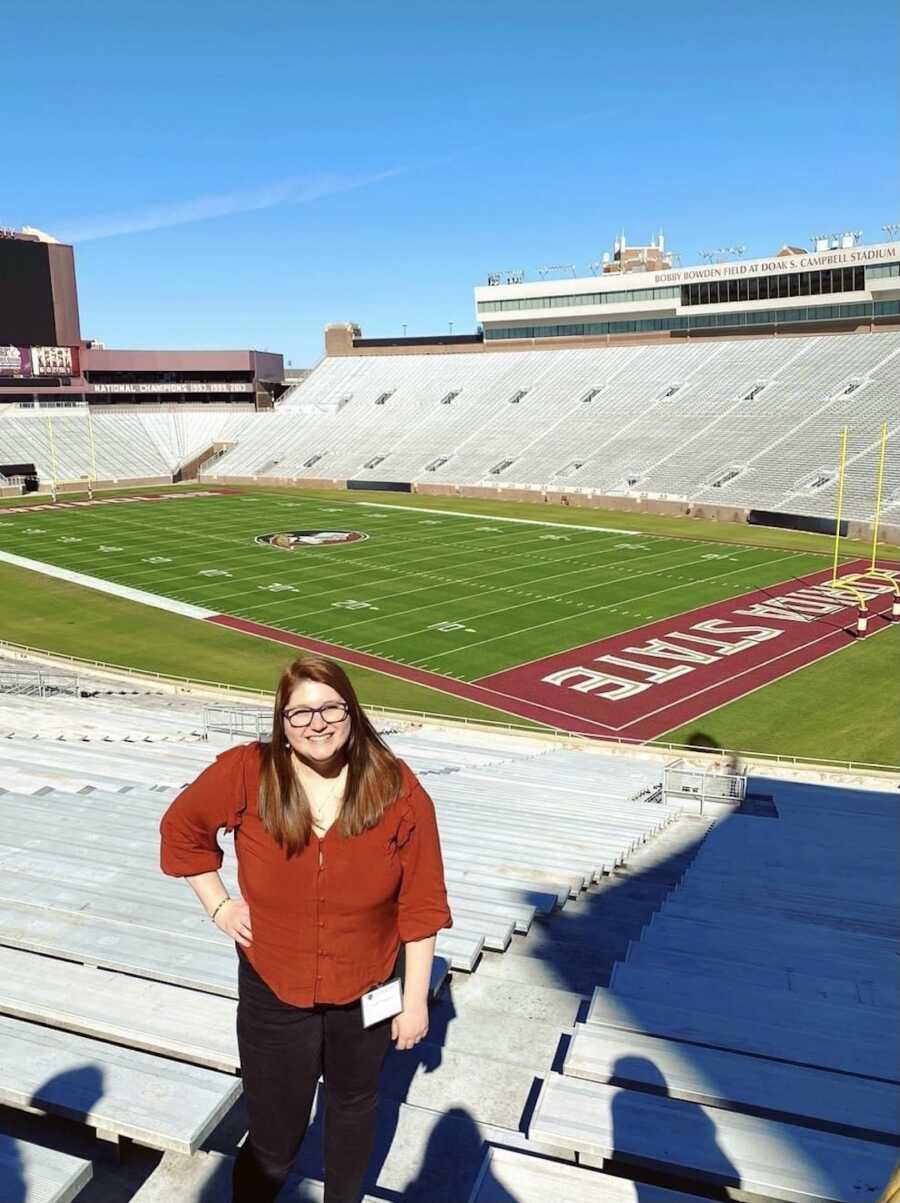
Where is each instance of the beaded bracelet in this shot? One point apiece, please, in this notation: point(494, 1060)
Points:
point(212, 917)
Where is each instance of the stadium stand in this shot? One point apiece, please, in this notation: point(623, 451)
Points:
point(762, 1001)
point(750, 422)
point(117, 998)
point(126, 446)
point(743, 423)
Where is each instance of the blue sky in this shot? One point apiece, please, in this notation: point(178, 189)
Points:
point(239, 175)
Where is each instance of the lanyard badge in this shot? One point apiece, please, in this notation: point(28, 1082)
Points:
point(382, 1003)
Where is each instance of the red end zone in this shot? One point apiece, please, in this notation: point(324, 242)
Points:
point(645, 681)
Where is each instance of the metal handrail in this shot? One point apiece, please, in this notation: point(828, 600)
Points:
point(585, 741)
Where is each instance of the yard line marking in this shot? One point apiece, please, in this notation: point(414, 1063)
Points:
point(595, 609)
point(481, 576)
point(480, 616)
point(423, 509)
point(333, 581)
point(512, 588)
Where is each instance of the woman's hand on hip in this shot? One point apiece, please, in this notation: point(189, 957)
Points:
point(234, 920)
point(410, 1026)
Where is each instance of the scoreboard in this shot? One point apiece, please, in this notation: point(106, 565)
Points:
point(38, 300)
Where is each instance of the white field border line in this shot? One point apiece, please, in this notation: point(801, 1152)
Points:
point(597, 609)
point(756, 688)
point(421, 509)
point(102, 586)
point(635, 632)
point(366, 586)
point(590, 610)
point(601, 584)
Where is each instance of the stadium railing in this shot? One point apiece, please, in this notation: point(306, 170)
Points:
point(241, 692)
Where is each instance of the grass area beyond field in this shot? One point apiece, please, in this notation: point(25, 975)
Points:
point(844, 707)
point(70, 620)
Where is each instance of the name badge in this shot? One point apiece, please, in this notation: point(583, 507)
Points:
point(383, 1003)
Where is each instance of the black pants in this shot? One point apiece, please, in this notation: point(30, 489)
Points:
point(283, 1051)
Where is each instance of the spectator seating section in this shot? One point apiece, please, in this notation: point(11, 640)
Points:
point(750, 423)
point(745, 423)
point(749, 1039)
point(117, 998)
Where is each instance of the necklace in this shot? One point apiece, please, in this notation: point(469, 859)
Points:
point(325, 803)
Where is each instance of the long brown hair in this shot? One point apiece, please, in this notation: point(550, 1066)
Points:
point(374, 778)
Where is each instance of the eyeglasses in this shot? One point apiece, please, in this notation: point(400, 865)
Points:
point(331, 712)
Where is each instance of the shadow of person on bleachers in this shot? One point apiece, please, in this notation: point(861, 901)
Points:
point(452, 1158)
point(686, 1144)
point(71, 1095)
point(74, 1093)
point(13, 1188)
point(399, 1071)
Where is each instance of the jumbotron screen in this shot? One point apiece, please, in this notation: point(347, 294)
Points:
point(26, 294)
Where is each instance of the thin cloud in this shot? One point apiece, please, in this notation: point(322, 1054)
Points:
point(202, 208)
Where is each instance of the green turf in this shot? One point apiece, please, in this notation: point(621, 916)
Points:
point(844, 707)
point(459, 595)
point(70, 620)
point(651, 524)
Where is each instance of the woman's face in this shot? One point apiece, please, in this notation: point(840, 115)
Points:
point(324, 734)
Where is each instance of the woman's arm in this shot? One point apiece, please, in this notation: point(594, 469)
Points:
point(417, 983)
point(232, 915)
point(411, 1025)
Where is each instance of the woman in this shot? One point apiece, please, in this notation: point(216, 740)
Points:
point(341, 889)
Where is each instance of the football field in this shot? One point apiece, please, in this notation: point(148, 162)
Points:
point(440, 596)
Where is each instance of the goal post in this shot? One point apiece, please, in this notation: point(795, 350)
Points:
point(848, 584)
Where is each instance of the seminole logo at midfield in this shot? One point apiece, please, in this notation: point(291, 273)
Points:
point(291, 540)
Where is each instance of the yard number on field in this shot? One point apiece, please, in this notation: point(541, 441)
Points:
point(352, 604)
point(278, 587)
point(156, 560)
point(213, 572)
point(451, 626)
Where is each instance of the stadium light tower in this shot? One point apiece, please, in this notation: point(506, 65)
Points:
point(892, 229)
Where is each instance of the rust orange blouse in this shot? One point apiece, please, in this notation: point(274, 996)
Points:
point(327, 922)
